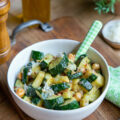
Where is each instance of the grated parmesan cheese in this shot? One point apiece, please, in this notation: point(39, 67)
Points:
point(113, 32)
point(48, 90)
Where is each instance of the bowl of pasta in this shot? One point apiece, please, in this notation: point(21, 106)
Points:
point(46, 82)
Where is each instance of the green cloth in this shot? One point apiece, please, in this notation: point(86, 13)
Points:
point(113, 93)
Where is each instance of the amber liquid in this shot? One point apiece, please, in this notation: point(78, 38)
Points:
point(36, 9)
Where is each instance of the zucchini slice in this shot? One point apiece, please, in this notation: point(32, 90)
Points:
point(92, 77)
point(37, 55)
point(25, 72)
point(31, 92)
point(35, 100)
point(69, 104)
point(80, 59)
point(59, 87)
point(46, 60)
point(53, 101)
point(85, 84)
point(25, 75)
point(39, 89)
point(74, 76)
point(58, 65)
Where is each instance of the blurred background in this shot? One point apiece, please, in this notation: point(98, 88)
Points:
point(84, 10)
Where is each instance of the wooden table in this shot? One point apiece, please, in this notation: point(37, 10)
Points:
point(69, 28)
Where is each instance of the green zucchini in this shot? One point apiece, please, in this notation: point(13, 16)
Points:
point(25, 72)
point(37, 55)
point(25, 75)
point(85, 84)
point(74, 76)
point(31, 92)
point(92, 77)
point(43, 82)
point(35, 100)
point(58, 65)
point(46, 60)
point(80, 59)
point(59, 87)
point(53, 102)
point(69, 104)
point(39, 89)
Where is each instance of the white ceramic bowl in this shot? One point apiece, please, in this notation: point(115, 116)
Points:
point(55, 46)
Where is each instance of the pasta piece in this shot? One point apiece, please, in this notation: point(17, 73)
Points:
point(94, 96)
point(35, 70)
point(60, 79)
point(76, 87)
point(68, 94)
point(40, 103)
point(78, 96)
point(38, 80)
point(88, 71)
point(27, 99)
point(75, 81)
point(85, 100)
point(49, 79)
point(71, 57)
point(83, 63)
point(99, 82)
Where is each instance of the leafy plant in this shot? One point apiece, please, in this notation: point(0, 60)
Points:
point(105, 6)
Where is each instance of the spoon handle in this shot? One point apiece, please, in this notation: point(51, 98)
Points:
point(91, 35)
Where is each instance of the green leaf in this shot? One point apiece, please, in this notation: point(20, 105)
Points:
point(112, 9)
point(105, 6)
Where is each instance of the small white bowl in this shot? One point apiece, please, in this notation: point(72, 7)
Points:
point(104, 31)
point(54, 47)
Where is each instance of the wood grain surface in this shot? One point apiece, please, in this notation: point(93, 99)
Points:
point(69, 28)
